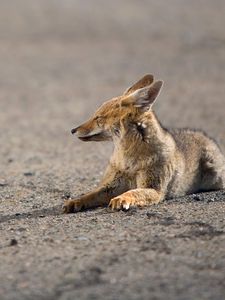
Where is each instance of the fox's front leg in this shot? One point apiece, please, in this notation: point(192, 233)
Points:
point(112, 187)
point(136, 198)
point(141, 196)
point(99, 197)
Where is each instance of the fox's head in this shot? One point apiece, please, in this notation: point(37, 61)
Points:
point(135, 101)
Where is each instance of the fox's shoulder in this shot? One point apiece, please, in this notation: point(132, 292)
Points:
point(187, 138)
point(187, 132)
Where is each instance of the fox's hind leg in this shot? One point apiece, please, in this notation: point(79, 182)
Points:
point(213, 169)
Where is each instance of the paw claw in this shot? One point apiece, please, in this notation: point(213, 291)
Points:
point(71, 206)
point(120, 202)
point(126, 206)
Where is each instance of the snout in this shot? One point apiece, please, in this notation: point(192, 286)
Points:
point(74, 130)
point(87, 134)
point(81, 132)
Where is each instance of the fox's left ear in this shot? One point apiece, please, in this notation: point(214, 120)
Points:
point(144, 81)
point(145, 97)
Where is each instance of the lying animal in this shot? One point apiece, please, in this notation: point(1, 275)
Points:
point(149, 163)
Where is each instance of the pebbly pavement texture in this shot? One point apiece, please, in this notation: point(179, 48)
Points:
point(59, 61)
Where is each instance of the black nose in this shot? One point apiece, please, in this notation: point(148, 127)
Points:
point(74, 130)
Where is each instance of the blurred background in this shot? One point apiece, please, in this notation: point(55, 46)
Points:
point(61, 59)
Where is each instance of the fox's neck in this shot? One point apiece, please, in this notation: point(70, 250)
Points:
point(160, 141)
point(149, 139)
point(154, 134)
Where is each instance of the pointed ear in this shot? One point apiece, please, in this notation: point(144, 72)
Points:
point(144, 81)
point(145, 97)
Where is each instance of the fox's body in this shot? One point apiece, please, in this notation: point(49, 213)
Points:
point(203, 163)
point(149, 163)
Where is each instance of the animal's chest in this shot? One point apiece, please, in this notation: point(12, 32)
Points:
point(130, 166)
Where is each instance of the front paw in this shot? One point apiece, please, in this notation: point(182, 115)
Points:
point(124, 201)
point(72, 206)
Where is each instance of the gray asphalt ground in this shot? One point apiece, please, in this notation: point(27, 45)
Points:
point(59, 61)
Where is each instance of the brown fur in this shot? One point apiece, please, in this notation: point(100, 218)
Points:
point(149, 163)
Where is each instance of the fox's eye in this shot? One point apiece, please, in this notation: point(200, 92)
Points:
point(99, 120)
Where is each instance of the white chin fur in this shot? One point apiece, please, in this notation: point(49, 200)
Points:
point(94, 132)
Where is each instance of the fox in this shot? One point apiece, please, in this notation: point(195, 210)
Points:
point(150, 163)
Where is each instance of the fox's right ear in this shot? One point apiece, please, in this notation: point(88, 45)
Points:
point(144, 81)
point(145, 97)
